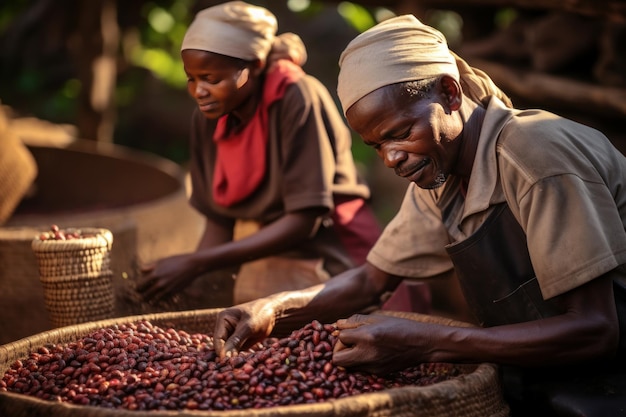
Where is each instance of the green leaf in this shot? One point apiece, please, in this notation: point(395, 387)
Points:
point(357, 16)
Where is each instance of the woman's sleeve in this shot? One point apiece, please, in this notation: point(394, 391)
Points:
point(308, 157)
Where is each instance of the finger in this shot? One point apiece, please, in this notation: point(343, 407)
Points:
point(156, 289)
point(339, 346)
point(156, 296)
point(346, 357)
point(147, 287)
point(152, 291)
point(348, 337)
point(227, 336)
point(234, 343)
point(232, 346)
point(218, 344)
point(220, 335)
point(352, 322)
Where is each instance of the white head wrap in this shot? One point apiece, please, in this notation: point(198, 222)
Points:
point(404, 49)
point(235, 29)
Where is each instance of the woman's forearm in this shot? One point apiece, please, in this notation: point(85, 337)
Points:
point(279, 236)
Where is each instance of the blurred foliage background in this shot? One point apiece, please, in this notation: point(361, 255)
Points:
point(44, 44)
point(112, 68)
point(50, 52)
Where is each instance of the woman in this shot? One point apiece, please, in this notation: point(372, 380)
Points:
point(271, 165)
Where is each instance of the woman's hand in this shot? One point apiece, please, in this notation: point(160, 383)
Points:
point(378, 344)
point(241, 326)
point(166, 277)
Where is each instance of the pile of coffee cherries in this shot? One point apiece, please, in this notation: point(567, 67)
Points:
point(140, 366)
point(55, 233)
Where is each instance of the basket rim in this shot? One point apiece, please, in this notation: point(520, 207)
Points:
point(102, 238)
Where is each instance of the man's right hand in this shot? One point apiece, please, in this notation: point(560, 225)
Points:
point(242, 326)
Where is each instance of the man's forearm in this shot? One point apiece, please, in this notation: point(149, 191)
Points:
point(341, 296)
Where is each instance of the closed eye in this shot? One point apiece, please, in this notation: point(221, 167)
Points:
point(398, 135)
point(209, 79)
point(389, 136)
point(212, 80)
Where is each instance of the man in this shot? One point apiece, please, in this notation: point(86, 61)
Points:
point(528, 209)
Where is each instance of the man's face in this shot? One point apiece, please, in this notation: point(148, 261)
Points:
point(414, 136)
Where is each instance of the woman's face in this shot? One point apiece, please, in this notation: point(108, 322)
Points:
point(416, 137)
point(219, 84)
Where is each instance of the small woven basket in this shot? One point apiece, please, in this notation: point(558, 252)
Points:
point(76, 277)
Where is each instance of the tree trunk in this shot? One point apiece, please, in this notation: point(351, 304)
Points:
point(94, 47)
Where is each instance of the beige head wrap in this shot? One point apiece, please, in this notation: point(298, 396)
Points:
point(241, 30)
point(404, 49)
point(234, 29)
point(289, 46)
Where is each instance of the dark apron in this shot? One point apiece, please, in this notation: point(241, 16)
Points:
point(495, 273)
point(499, 283)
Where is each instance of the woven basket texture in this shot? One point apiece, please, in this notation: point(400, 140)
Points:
point(76, 277)
point(476, 393)
point(18, 170)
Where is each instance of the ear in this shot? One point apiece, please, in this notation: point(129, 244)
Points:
point(242, 79)
point(451, 92)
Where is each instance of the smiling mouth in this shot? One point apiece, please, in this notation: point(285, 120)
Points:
point(415, 168)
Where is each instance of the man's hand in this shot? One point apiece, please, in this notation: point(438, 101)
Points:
point(241, 326)
point(376, 343)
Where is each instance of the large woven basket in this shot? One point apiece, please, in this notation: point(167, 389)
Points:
point(76, 277)
point(476, 393)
